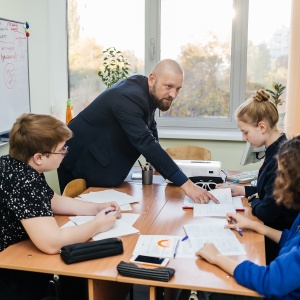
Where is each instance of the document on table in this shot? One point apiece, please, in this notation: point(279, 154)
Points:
point(212, 232)
point(227, 204)
point(123, 227)
point(156, 245)
point(108, 196)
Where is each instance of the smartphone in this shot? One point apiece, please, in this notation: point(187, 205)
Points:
point(149, 260)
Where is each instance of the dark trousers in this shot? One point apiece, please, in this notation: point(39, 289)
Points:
point(22, 285)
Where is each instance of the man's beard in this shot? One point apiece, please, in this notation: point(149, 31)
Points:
point(160, 103)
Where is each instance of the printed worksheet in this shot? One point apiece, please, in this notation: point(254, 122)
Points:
point(213, 210)
point(157, 245)
point(224, 239)
point(227, 204)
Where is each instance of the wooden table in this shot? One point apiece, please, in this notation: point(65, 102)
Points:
point(160, 206)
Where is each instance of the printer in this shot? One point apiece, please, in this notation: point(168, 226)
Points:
point(199, 168)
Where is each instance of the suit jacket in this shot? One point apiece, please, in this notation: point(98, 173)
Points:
point(112, 132)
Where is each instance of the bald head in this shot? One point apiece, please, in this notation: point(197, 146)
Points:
point(167, 66)
point(165, 82)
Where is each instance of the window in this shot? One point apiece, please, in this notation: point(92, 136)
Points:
point(94, 26)
point(221, 44)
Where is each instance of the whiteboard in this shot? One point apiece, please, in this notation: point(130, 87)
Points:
point(14, 78)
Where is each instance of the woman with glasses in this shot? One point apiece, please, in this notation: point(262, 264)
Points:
point(28, 204)
point(279, 279)
point(257, 119)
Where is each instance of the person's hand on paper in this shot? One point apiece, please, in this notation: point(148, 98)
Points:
point(106, 218)
point(114, 206)
point(236, 190)
point(210, 253)
point(237, 220)
point(197, 194)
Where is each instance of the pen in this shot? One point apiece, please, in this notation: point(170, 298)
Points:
point(176, 248)
point(185, 238)
point(108, 211)
point(238, 229)
point(234, 181)
point(140, 164)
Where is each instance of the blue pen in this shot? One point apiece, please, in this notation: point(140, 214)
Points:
point(108, 211)
point(234, 181)
point(185, 238)
point(238, 229)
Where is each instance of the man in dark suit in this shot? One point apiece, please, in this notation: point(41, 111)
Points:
point(118, 126)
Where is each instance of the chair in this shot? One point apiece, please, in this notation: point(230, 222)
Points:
point(189, 152)
point(74, 188)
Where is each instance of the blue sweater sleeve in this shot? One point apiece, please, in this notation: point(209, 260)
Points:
point(279, 279)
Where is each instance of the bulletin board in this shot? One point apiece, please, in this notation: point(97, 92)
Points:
point(14, 72)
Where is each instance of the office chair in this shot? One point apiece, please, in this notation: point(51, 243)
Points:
point(189, 152)
point(74, 188)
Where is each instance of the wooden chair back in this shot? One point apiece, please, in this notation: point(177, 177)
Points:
point(74, 188)
point(189, 152)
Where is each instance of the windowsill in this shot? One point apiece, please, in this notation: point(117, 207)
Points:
point(201, 134)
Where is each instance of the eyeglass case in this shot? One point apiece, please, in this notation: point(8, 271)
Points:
point(91, 250)
point(132, 270)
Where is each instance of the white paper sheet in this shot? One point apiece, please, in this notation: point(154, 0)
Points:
point(122, 227)
point(156, 245)
point(108, 196)
point(224, 239)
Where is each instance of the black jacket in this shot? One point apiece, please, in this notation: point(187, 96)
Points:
point(264, 207)
point(112, 132)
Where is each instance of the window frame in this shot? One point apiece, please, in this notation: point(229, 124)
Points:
point(217, 127)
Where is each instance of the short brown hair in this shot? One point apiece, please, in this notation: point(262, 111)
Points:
point(258, 108)
point(36, 133)
point(287, 187)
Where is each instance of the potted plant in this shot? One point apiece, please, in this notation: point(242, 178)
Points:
point(115, 66)
point(278, 90)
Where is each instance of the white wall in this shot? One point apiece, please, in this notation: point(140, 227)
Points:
point(48, 74)
point(47, 56)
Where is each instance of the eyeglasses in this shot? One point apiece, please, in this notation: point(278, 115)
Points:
point(64, 151)
point(206, 185)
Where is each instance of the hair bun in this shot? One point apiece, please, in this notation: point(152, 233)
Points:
point(261, 96)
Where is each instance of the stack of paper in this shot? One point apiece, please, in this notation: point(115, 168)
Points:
point(123, 227)
point(122, 199)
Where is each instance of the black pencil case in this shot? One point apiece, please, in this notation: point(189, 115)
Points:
point(91, 250)
point(132, 270)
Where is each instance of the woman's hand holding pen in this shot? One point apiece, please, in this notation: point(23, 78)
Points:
point(113, 207)
point(237, 222)
point(106, 218)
